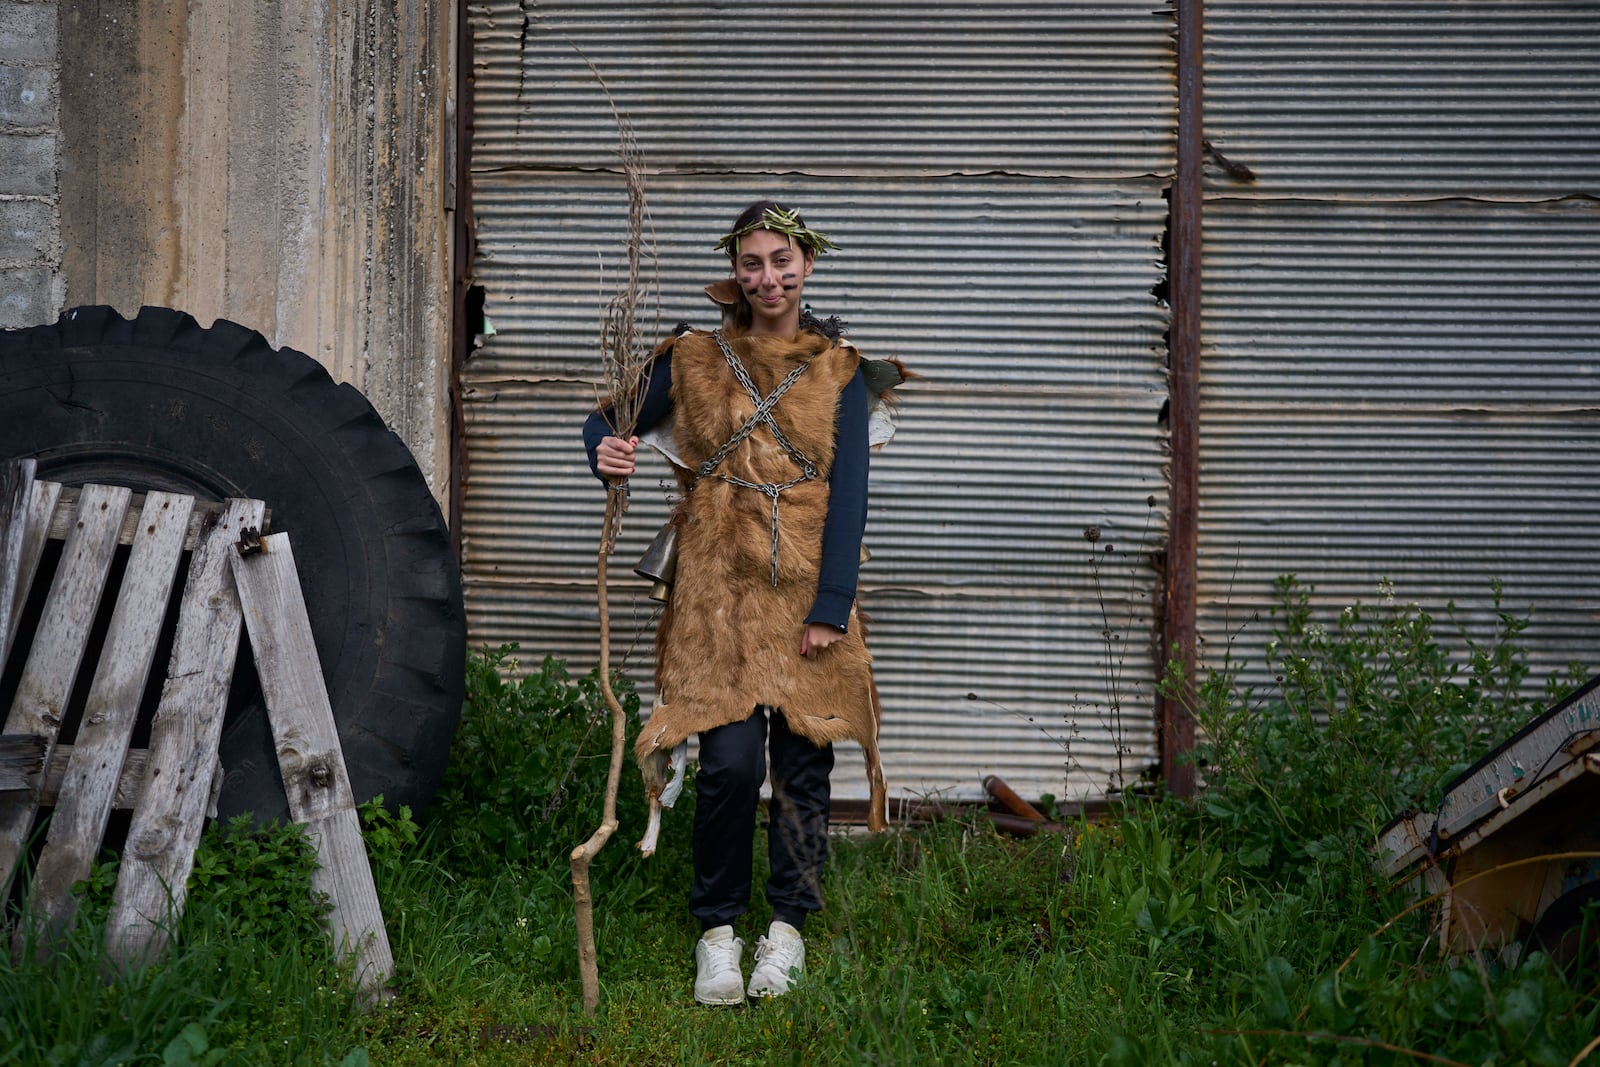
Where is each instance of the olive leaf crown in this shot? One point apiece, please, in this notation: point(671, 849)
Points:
point(780, 221)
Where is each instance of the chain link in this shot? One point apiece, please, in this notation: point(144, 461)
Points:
point(762, 415)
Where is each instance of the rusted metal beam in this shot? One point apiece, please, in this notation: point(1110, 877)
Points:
point(996, 787)
point(1184, 271)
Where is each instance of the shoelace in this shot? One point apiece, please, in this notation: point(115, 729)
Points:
point(720, 955)
point(782, 951)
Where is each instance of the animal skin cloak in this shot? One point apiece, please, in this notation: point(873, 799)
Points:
point(729, 638)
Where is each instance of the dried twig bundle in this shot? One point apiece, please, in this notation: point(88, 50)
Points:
point(623, 353)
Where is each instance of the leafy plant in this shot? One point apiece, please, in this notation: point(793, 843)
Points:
point(527, 771)
point(259, 878)
point(1371, 714)
point(95, 892)
point(390, 836)
point(191, 1049)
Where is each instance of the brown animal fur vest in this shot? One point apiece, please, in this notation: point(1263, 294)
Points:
point(729, 639)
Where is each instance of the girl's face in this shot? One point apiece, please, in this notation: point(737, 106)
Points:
point(772, 275)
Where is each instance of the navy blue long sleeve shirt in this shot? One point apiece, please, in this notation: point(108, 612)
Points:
point(847, 485)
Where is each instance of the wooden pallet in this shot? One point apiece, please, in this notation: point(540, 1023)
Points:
point(237, 580)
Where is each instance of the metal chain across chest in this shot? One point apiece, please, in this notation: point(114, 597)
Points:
point(762, 415)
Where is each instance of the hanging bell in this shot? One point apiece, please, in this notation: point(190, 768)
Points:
point(660, 562)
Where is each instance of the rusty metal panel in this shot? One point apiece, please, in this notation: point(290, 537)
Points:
point(1026, 306)
point(831, 86)
point(1398, 367)
point(1398, 99)
point(1404, 396)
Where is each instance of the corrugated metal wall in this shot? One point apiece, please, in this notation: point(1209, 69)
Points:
point(994, 174)
point(1399, 367)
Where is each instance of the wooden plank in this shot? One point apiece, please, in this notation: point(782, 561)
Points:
point(22, 757)
point(205, 511)
point(79, 822)
point(58, 647)
point(1404, 843)
point(41, 506)
point(183, 749)
point(130, 784)
point(21, 760)
point(1543, 747)
point(16, 486)
point(307, 740)
point(355, 921)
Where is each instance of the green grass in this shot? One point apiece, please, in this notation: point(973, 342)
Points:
point(1248, 928)
point(1130, 941)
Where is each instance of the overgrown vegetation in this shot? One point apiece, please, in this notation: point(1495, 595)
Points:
point(1369, 716)
point(1248, 928)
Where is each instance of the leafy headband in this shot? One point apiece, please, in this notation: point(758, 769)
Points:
point(780, 221)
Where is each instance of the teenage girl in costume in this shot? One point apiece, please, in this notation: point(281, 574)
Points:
point(760, 650)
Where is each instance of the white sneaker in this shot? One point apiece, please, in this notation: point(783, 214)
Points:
point(780, 960)
point(717, 979)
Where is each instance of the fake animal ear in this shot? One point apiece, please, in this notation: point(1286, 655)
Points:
point(724, 293)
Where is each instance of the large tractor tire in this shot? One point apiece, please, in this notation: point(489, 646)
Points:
point(157, 402)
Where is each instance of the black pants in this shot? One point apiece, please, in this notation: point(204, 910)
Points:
point(733, 763)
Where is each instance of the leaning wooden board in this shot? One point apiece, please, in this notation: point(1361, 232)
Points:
point(57, 649)
point(307, 740)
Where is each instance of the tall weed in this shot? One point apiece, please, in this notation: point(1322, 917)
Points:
point(526, 757)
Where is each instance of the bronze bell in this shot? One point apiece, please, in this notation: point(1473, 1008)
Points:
point(660, 562)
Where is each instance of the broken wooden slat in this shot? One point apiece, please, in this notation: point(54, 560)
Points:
point(16, 486)
point(58, 648)
point(36, 526)
point(1540, 748)
point(79, 821)
point(22, 755)
point(159, 854)
point(307, 740)
point(130, 783)
point(204, 511)
point(21, 760)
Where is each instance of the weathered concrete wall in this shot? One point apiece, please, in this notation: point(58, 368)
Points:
point(30, 132)
point(279, 163)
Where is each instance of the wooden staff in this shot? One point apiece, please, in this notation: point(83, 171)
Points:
point(625, 362)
